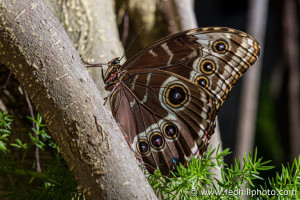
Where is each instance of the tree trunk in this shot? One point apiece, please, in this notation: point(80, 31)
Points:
point(40, 54)
point(250, 86)
point(291, 56)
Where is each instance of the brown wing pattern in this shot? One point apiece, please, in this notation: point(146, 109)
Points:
point(168, 95)
point(229, 51)
point(145, 103)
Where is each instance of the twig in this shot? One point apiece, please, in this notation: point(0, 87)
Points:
point(6, 83)
point(125, 29)
point(37, 155)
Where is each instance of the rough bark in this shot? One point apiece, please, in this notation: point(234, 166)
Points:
point(91, 25)
point(40, 54)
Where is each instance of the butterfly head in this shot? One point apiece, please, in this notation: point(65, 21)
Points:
point(112, 74)
point(114, 61)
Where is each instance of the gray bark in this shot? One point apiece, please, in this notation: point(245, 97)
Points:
point(38, 51)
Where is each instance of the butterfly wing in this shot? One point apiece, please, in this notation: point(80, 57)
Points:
point(168, 95)
point(167, 119)
point(194, 52)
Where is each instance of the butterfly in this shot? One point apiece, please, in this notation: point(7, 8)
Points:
point(166, 98)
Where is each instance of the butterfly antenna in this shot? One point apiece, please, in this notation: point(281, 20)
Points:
point(93, 65)
point(132, 42)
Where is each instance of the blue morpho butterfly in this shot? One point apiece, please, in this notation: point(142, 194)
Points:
point(166, 98)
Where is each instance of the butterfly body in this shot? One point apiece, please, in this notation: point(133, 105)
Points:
point(166, 98)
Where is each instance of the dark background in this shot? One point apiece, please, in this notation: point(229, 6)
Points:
point(272, 125)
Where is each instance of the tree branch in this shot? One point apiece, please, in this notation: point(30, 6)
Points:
point(185, 14)
point(40, 54)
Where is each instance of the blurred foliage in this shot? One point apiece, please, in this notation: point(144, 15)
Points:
point(197, 182)
point(267, 134)
point(267, 137)
point(23, 181)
